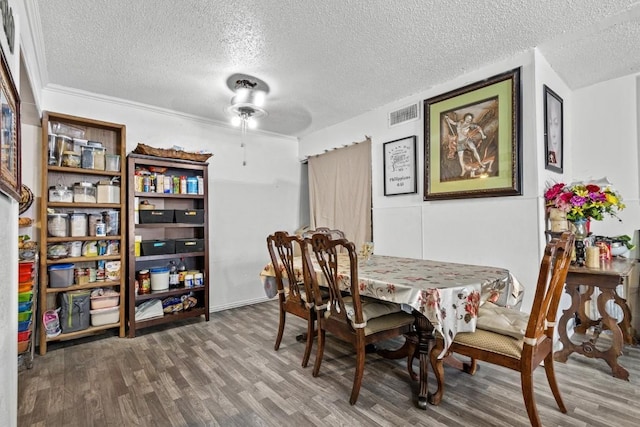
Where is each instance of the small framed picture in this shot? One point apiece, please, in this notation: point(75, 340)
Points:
point(400, 166)
point(553, 130)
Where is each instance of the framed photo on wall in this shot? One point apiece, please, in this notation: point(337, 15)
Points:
point(400, 166)
point(9, 133)
point(553, 130)
point(472, 140)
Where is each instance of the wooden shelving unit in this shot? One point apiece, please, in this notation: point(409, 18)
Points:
point(169, 230)
point(113, 138)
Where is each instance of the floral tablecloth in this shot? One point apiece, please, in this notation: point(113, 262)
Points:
point(447, 294)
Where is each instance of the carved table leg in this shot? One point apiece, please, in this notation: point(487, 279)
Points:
point(611, 355)
point(424, 328)
point(567, 346)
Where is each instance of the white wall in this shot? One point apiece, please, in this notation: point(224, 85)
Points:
point(502, 231)
point(605, 130)
point(246, 203)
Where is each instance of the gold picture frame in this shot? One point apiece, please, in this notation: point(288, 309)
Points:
point(9, 133)
point(472, 140)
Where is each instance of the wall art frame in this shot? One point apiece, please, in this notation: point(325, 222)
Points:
point(553, 130)
point(9, 133)
point(472, 140)
point(399, 165)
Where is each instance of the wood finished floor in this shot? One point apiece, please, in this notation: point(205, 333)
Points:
point(225, 372)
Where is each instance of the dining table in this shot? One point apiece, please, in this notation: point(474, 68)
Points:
point(443, 296)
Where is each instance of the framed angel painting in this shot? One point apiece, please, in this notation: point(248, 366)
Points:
point(472, 140)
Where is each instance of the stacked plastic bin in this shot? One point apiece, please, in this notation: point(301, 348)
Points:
point(26, 310)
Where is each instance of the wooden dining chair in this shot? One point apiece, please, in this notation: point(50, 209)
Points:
point(295, 298)
point(513, 339)
point(351, 318)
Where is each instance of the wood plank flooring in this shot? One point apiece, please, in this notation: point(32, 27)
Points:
point(225, 373)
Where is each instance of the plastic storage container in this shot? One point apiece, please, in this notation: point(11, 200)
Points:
point(112, 162)
point(78, 224)
point(61, 275)
point(158, 247)
point(60, 193)
point(159, 278)
point(84, 192)
point(153, 216)
point(105, 316)
point(108, 192)
point(71, 159)
point(104, 298)
point(57, 225)
point(75, 310)
point(190, 216)
point(189, 245)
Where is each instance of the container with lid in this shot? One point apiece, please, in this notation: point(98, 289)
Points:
point(112, 162)
point(62, 144)
point(60, 193)
point(78, 224)
point(108, 192)
point(57, 225)
point(145, 281)
point(84, 192)
point(159, 278)
point(71, 159)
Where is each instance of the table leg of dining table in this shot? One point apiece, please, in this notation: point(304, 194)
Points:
point(417, 345)
point(424, 329)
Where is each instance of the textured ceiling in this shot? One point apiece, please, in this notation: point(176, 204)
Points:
point(324, 61)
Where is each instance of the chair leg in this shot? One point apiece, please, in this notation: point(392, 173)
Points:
point(357, 379)
point(320, 351)
point(526, 379)
point(551, 378)
point(280, 329)
point(310, 336)
point(470, 367)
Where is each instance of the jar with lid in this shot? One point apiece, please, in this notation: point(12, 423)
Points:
point(60, 193)
point(57, 225)
point(71, 159)
point(84, 192)
point(78, 224)
point(144, 280)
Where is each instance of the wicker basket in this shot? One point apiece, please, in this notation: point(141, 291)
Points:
point(173, 154)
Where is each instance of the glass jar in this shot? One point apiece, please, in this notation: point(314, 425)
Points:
point(84, 192)
point(57, 225)
point(144, 280)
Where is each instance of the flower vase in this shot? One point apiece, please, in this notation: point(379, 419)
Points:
point(580, 230)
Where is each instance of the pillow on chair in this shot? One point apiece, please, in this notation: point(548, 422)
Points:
point(502, 320)
point(370, 309)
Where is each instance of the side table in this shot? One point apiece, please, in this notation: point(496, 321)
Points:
point(606, 279)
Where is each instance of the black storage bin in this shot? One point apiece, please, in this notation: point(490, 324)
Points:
point(154, 216)
point(74, 313)
point(189, 245)
point(158, 247)
point(190, 216)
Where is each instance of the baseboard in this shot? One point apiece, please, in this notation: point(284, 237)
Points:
point(238, 304)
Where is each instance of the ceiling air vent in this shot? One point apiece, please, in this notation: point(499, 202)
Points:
point(405, 114)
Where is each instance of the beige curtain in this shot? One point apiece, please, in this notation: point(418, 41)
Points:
point(340, 191)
